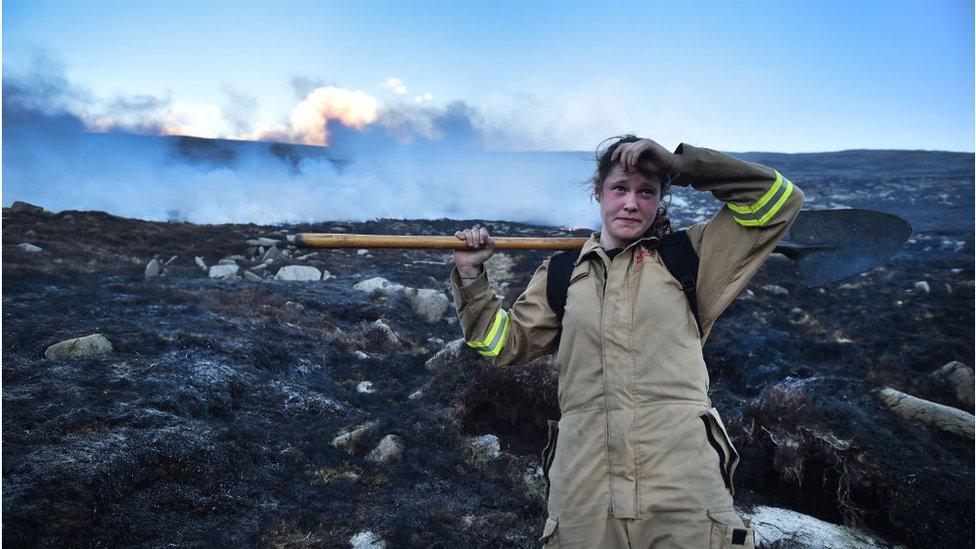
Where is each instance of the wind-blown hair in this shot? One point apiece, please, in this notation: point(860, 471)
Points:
point(604, 152)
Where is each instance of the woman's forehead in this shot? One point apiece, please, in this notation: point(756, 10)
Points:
point(618, 176)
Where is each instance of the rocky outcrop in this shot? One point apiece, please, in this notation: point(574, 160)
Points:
point(367, 540)
point(223, 271)
point(389, 449)
point(90, 345)
point(19, 206)
point(298, 273)
point(29, 248)
point(378, 284)
point(917, 410)
point(958, 379)
point(776, 527)
point(484, 448)
point(776, 291)
point(382, 334)
point(153, 269)
point(273, 254)
point(429, 304)
point(348, 441)
point(446, 357)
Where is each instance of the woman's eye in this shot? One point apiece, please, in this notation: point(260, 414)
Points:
point(619, 189)
point(648, 192)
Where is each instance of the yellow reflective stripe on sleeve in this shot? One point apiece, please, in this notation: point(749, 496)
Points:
point(492, 344)
point(760, 212)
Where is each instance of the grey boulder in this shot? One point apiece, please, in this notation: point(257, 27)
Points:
point(90, 345)
point(298, 273)
point(429, 304)
point(29, 248)
point(389, 449)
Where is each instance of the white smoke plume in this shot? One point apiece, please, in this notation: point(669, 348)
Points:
point(398, 160)
point(309, 120)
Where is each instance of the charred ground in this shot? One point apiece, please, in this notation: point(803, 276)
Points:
point(211, 422)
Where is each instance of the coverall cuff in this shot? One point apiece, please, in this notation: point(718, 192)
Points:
point(686, 174)
point(472, 290)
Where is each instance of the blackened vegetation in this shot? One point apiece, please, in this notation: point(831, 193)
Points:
point(211, 423)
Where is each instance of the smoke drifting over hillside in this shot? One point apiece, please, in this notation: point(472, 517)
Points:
point(412, 162)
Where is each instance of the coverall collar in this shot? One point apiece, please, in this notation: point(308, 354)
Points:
point(593, 244)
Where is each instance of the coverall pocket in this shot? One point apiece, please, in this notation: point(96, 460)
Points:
point(549, 452)
point(718, 438)
point(729, 531)
point(550, 536)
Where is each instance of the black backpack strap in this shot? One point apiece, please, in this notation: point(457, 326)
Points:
point(557, 280)
point(680, 258)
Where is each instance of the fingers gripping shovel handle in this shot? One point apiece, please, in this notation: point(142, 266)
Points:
point(329, 240)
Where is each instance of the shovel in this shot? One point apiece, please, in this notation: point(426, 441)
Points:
point(826, 245)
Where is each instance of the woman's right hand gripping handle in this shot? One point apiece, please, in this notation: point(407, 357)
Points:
point(480, 248)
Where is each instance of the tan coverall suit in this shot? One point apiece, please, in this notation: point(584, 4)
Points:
point(642, 459)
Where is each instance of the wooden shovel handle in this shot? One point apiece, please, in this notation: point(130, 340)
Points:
point(342, 240)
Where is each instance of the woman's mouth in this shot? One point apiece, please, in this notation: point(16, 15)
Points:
point(627, 220)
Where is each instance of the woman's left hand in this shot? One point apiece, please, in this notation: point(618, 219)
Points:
point(630, 155)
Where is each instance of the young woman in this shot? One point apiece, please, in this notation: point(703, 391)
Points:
point(642, 459)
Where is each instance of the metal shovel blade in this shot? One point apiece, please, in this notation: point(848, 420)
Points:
point(831, 245)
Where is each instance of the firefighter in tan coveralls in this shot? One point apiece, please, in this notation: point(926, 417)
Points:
point(643, 459)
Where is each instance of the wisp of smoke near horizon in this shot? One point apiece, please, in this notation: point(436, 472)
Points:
point(393, 168)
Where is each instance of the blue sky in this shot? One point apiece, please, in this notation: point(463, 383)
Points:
point(737, 76)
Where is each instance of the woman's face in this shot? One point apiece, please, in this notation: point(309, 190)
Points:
point(628, 205)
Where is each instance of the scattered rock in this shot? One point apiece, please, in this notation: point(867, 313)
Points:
point(294, 305)
point(261, 266)
point(367, 540)
point(19, 206)
point(248, 275)
point(95, 344)
point(776, 291)
point(222, 271)
point(200, 263)
point(362, 252)
point(291, 237)
point(448, 356)
point(29, 248)
point(775, 527)
point(959, 379)
point(389, 449)
point(390, 337)
point(922, 286)
point(171, 259)
point(378, 283)
point(153, 268)
point(940, 416)
point(485, 448)
point(274, 254)
point(365, 387)
point(360, 355)
point(262, 241)
point(348, 440)
point(236, 257)
point(326, 275)
point(226, 262)
point(298, 273)
point(429, 304)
